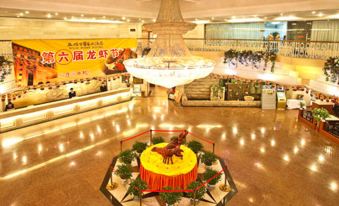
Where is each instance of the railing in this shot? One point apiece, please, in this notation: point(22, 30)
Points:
point(297, 49)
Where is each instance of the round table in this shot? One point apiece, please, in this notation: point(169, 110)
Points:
point(158, 175)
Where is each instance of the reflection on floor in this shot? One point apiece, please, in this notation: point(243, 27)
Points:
point(274, 159)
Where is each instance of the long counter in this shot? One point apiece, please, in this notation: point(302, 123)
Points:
point(31, 115)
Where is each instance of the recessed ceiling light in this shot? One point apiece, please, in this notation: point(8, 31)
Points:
point(93, 20)
point(123, 18)
point(240, 20)
point(128, 20)
point(56, 13)
point(233, 17)
point(314, 12)
point(21, 14)
point(320, 14)
point(286, 18)
point(82, 15)
point(26, 12)
point(201, 21)
point(49, 15)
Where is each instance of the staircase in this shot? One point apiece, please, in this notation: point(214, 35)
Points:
point(200, 89)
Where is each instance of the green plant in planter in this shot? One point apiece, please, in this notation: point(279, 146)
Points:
point(157, 140)
point(170, 197)
point(139, 147)
point(208, 174)
point(320, 114)
point(197, 194)
point(124, 171)
point(126, 156)
point(195, 146)
point(208, 158)
point(136, 187)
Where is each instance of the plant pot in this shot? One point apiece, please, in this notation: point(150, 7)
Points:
point(210, 186)
point(194, 201)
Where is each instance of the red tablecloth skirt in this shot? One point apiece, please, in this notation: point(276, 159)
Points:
point(158, 181)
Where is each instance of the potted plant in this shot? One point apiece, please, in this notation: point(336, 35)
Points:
point(136, 187)
point(157, 140)
point(320, 114)
point(198, 191)
point(124, 172)
point(208, 158)
point(139, 147)
point(170, 198)
point(208, 174)
point(195, 146)
point(126, 156)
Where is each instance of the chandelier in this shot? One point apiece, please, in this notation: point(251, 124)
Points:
point(169, 62)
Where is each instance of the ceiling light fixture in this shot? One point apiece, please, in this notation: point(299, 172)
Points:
point(320, 14)
point(49, 15)
point(334, 16)
point(200, 21)
point(93, 20)
point(286, 18)
point(26, 12)
point(240, 20)
point(169, 62)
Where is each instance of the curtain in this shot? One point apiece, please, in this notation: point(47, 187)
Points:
point(235, 31)
point(325, 31)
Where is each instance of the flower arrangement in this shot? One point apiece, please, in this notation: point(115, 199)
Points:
point(331, 69)
point(320, 114)
point(249, 57)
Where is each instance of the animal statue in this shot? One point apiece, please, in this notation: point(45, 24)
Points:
point(172, 148)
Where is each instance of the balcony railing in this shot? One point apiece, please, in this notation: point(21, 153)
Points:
point(297, 49)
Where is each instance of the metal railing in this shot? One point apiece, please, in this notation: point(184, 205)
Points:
point(297, 49)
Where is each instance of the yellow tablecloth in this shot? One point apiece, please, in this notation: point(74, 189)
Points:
point(152, 161)
point(158, 175)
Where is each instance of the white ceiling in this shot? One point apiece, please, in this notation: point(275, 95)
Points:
point(191, 8)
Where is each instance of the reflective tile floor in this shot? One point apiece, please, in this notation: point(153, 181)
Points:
point(273, 158)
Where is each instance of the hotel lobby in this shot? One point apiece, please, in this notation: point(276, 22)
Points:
point(169, 103)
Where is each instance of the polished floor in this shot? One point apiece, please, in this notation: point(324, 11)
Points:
point(273, 158)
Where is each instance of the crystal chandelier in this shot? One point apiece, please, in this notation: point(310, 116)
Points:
point(169, 63)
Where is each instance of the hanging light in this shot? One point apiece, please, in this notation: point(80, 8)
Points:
point(169, 62)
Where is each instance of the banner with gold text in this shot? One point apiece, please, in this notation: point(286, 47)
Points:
point(43, 61)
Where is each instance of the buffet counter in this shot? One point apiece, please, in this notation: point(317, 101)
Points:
point(31, 115)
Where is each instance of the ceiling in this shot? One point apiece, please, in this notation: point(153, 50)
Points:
point(146, 10)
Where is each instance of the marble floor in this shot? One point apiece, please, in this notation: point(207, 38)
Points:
point(273, 158)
